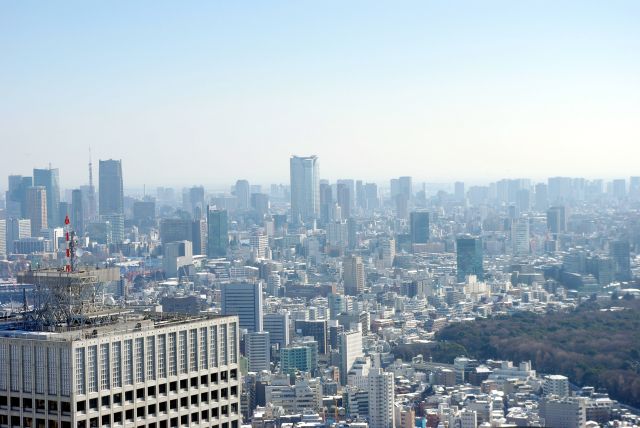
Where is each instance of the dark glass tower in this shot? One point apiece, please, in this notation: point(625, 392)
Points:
point(218, 228)
point(469, 257)
point(419, 224)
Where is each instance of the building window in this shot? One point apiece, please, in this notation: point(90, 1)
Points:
point(173, 362)
point(53, 370)
point(128, 362)
point(92, 368)
point(104, 366)
point(80, 371)
point(116, 359)
point(162, 356)
point(4, 366)
point(203, 349)
point(223, 344)
point(139, 356)
point(233, 344)
point(27, 368)
point(213, 354)
point(151, 357)
point(65, 372)
point(41, 366)
point(193, 351)
point(183, 351)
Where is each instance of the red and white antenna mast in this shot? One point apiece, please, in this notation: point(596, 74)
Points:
point(70, 237)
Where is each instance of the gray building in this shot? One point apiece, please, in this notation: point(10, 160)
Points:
point(111, 193)
point(243, 299)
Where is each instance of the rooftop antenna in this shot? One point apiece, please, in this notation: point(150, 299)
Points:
point(92, 192)
point(90, 169)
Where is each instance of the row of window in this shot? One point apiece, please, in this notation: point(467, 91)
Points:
point(35, 368)
point(195, 382)
point(143, 359)
point(175, 422)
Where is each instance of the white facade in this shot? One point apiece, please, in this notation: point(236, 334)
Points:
point(305, 191)
point(556, 385)
point(305, 395)
point(180, 372)
point(350, 350)
point(381, 399)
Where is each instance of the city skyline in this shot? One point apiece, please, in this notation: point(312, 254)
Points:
point(442, 91)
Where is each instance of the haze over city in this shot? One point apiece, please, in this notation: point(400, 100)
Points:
point(192, 92)
point(338, 214)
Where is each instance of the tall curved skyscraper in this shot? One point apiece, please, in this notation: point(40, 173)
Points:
point(305, 192)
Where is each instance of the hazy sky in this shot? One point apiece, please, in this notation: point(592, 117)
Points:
point(189, 92)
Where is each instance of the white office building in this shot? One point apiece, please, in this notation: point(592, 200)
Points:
point(140, 372)
point(381, 399)
point(350, 350)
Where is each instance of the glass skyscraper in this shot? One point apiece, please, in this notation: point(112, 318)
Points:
point(469, 257)
point(218, 228)
point(305, 192)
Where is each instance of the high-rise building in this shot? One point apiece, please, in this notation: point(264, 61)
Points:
point(556, 220)
point(469, 257)
point(402, 206)
point(16, 196)
point(353, 275)
point(77, 211)
point(277, 324)
point(50, 180)
point(419, 227)
point(196, 202)
point(141, 372)
point(260, 204)
point(199, 236)
point(257, 347)
point(620, 254)
point(36, 206)
point(520, 237)
point(16, 229)
point(117, 226)
point(458, 191)
point(175, 229)
point(111, 193)
point(405, 187)
point(305, 195)
point(3, 239)
point(243, 299)
point(381, 399)
point(218, 233)
point(387, 252)
point(177, 256)
point(371, 195)
point(296, 357)
point(259, 243)
point(542, 199)
point(243, 194)
point(316, 329)
point(350, 345)
point(344, 199)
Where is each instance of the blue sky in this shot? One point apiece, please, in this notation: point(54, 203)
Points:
point(208, 92)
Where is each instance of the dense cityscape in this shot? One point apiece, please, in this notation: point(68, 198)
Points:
point(317, 303)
